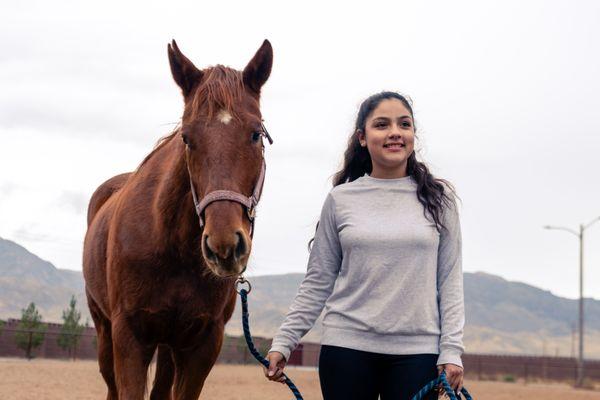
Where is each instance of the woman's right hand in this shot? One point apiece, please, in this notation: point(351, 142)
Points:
point(276, 365)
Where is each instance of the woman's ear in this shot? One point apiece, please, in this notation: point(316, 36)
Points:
point(361, 138)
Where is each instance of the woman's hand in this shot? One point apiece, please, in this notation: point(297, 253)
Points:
point(454, 375)
point(276, 364)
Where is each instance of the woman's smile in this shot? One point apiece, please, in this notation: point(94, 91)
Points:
point(394, 147)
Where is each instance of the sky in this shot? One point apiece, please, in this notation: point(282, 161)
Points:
point(505, 96)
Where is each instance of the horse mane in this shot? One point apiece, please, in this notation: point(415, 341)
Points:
point(159, 145)
point(220, 88)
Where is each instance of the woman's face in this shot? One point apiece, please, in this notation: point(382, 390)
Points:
point(389, 136)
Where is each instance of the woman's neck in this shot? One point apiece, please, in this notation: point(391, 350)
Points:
point(388, 173)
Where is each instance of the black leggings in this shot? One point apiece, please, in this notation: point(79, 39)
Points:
point(350, 374)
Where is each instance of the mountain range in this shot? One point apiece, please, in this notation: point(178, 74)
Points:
point(501, 316)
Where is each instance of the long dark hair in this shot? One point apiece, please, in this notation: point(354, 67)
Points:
point(434, 193)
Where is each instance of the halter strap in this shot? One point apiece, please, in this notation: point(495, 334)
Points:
point(218, 195)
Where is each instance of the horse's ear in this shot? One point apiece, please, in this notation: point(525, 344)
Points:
point(184, 71)
point(258, 69)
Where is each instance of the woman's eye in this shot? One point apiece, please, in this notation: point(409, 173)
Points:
point(380, 125)
point(406, 124)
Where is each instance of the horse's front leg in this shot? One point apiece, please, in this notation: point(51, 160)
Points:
point(192, 366)
point(131, 359)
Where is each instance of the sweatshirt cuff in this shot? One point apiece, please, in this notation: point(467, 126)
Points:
point(450, 357)
point(282, 349)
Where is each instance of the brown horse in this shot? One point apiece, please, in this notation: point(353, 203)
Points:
point(156, 278)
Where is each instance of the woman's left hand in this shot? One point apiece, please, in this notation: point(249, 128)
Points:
point(454, 375)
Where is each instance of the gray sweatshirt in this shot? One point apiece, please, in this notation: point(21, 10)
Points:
point(389, 282)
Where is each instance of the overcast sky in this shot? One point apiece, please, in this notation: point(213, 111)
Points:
point(505, 97)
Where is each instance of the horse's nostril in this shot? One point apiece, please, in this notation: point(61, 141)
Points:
point(207, 250)
point(241, 247)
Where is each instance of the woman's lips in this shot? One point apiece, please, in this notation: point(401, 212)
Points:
point(394, 147)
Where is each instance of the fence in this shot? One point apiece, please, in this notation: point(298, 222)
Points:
point(496, 367)
point(49, 348)
point(235, 351)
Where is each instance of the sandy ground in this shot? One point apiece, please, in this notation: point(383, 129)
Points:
point(80, 380)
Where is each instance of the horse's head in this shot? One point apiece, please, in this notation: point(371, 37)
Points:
point(222, 134)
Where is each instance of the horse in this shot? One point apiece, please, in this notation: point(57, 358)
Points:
point(166, 242)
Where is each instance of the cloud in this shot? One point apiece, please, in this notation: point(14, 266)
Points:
point(7, 188)
point(27, 233)
point(73, 201)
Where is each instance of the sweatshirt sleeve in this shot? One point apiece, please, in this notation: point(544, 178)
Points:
point(322, 270)
point(450, 289)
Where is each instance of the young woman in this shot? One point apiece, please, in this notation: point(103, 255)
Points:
point(386, 265)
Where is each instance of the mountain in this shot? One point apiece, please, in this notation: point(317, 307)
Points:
point(495, 303)
point(501, 316)
point(24, 277)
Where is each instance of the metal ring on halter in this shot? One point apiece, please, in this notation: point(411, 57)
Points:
point(251, 212)
point(240, 281)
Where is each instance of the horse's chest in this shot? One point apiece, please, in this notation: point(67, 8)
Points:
point(181, 315)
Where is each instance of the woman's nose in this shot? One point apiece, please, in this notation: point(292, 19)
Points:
point(395, 130)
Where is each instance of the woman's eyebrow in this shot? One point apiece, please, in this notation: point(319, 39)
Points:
point(387, 119)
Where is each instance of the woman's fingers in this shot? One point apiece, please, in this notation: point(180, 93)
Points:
point(460, 384)
point(450, 378)
point(454, 376)
point(276, 365)
point(278, 373)
point(456, 382)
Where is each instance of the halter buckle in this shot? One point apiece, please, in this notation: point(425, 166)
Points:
point(251, 212)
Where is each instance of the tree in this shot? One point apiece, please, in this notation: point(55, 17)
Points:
point(71, 330)
point(2, 323)
point(30, 330)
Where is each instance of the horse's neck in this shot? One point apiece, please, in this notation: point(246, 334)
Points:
point(172, 207)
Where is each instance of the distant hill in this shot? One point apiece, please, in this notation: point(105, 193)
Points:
point(502, 316)
point(24, 277)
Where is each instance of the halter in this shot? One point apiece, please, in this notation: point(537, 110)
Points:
point(219, 195)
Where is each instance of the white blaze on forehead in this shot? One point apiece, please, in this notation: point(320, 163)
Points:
point(224, 116)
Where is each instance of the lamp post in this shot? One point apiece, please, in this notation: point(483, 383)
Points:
point(582, 228)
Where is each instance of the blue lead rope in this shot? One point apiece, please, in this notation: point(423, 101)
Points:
point(244, 295)
point(441, 379)
point(245, 324)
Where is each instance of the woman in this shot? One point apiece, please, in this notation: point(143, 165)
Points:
point(386, 265)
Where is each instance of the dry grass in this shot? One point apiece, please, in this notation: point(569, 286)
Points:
point(80, 380)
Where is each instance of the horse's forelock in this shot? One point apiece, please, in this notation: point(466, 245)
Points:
point(220, 89)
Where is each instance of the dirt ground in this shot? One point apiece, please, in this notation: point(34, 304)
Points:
point(80, 380)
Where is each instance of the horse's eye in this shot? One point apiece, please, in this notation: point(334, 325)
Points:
point(256, 136)
point(185, 139)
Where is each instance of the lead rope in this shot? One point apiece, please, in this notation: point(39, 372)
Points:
point(441, 379)
point(244, 296)
point(246, 326)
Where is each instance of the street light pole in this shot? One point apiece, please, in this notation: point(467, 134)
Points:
point(582, 228)
point(580, 365)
